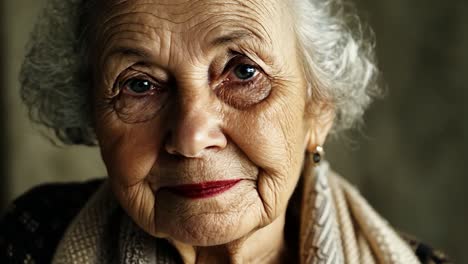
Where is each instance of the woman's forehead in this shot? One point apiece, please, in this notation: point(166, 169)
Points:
point(173, 30)
point(184, 7)
point(201, 17)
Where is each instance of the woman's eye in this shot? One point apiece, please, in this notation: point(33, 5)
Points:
point(139, 86)
point(245, 71)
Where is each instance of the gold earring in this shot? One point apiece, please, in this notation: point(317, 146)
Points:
point(317, 154)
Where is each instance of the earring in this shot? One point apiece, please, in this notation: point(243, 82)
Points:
point(317, 154)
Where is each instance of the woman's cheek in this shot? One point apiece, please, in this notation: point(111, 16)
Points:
point(130, 150)
point(268, 134)
point(258, 134)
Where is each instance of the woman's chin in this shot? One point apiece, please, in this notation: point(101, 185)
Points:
point(209, 222)
point(210, 230)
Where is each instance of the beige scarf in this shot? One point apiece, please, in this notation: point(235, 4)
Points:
point(337, 226)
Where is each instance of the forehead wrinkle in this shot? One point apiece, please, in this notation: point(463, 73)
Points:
point(153, 36)
point(231, 32)
point(254, 13)
point(141, 51)
point(115, 27)
point(131, 14)
point(136, 27)
point(255, 4)
point(228, 22)
point(167, 15)
point(112, 36)
point(261, 5)
point(262, 16)
point(171, 3)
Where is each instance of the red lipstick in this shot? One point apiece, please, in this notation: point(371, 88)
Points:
point(204, 189)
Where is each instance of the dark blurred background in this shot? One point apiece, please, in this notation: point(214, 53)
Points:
point(409, 159)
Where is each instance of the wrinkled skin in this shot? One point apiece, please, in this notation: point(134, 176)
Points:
point(194, 120)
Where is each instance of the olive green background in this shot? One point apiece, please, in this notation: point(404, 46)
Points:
point(409, 160)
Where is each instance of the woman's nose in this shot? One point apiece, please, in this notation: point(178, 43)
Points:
point(195, 133)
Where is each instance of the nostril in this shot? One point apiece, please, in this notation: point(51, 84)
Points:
point(171, 150)
point(213, 148)
point(169, 145)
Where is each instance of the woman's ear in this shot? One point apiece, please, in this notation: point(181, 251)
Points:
point(318, 128)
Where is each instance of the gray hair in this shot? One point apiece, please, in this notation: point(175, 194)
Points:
point(338, 60)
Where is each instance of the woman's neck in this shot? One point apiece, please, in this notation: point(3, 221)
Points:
point(265, 245)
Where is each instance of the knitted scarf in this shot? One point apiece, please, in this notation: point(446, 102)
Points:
point(337, 226)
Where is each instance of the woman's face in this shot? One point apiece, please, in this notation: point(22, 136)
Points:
point(200, 114)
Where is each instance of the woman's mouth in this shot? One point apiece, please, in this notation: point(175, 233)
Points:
point(202, 190)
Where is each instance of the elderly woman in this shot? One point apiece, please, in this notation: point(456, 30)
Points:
point(210, 116)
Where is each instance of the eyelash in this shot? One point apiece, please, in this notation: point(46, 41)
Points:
point(155, 87)
point(236, 61)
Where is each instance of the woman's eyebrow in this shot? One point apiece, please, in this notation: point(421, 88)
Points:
point(129, 52)
point(235, 36)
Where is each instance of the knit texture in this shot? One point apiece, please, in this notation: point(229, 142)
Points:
point(339, 226)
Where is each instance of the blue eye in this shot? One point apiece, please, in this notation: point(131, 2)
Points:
point(139, 86)
point(245, 71)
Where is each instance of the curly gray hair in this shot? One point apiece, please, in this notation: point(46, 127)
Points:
point(338, 60)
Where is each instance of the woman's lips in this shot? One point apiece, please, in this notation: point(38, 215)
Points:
point(202, 190)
